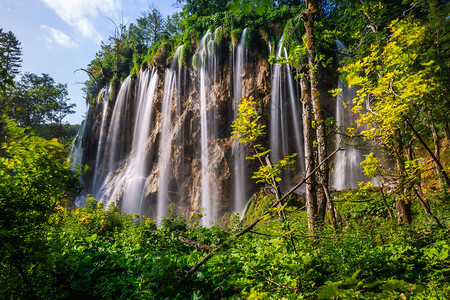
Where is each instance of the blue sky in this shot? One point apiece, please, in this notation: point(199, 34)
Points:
point(61, 36)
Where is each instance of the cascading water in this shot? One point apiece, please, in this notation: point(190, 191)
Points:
point(116, 128)
point(113, 148)
point(171, 87)
point(296, 116)
point(136, 173)
point(278, 137)
point(347, 169)
point(103, 96)
point(180, 138)
point(76, 160)
point(76, 150)
point(181, 156)
point(282, 132)
point(126, 176)
point(207, 68)
point(240, 169)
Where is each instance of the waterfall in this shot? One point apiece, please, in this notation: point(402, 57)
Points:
point(347, 169)
point(76, 160)
point(113, 148)
point(76, 150)
point(278, 139)
point(207, 69)
point(133, 194)
point(296, 116)
point(126, 176)
point(171, 86)
point(117, 128)
point(103, 97)
point(240, 169)
point(286, 133)
point(155, 152)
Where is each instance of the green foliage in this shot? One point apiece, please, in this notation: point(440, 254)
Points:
point(259, 7)
point(34, 179)
point(37, 100)
point(364, 204)
point(5, 79)
point(371, 166)
point(400, 78)
point(247, 127)
point(266, 172)
point(34, 100)
point(257, 205)
point(390, 82)
point(235, 35)
point(10, 54)
point(203, 7)
point(100, 253)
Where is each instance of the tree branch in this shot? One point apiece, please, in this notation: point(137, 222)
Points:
point(273, 282)
point(412, 6)
point(195, 244)
point(89, 73)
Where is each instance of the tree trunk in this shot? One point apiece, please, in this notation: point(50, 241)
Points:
point(403, 210)
point(278, 193)
point(311, 200)
point(25, 279)
point(403, 205)
point(447, 134)
point(437, 150)
point(389, 210)
point(308, 18)
point(331, 210)
point(281, 214)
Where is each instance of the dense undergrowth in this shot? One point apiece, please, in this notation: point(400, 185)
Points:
point(93, 253)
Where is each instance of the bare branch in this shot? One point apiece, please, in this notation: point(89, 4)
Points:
point(89, 73)
point(412, 7)
point(273, 282)
point(369, 108)
point(195, 244)
point(314, 236)
point(331, 237)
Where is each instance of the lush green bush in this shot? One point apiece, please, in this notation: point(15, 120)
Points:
point(35, 177)
point(98, 253)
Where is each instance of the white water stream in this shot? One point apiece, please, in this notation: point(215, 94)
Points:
point(240, 179)
point(347, 169)
point(171, 86)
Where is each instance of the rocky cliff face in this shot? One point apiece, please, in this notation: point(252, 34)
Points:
point(187, 143)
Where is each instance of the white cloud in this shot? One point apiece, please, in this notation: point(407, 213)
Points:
point(81, 14)
point(58, 37)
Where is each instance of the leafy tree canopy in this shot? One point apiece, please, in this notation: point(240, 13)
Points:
point(37, 100)
point(10, 53)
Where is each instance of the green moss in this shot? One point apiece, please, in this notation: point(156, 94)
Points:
point(185, 54)
point(219, 35)
point(196, 61)
point(292, 34)
point(137, 61)
point(257, 205)
point(235, 35)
